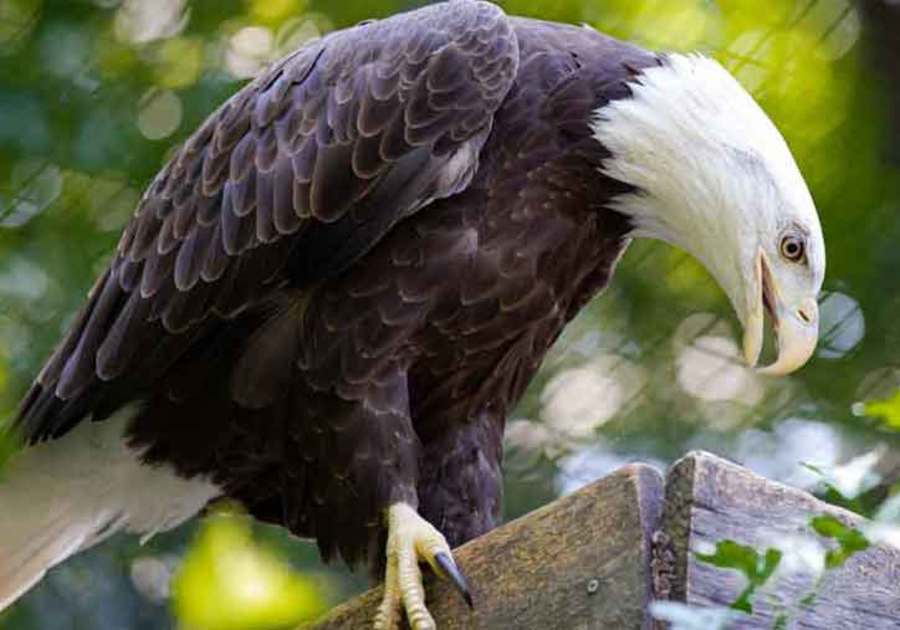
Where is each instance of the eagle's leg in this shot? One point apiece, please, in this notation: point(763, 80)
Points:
point(412, 539)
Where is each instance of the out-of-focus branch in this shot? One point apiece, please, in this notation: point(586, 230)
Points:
point(882, 20)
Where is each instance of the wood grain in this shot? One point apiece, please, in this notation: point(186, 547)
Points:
point(710, 500)
point(580, 562)
point(596, 559)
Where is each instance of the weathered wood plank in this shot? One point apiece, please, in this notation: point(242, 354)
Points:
point(580, 562)
point(710, 500)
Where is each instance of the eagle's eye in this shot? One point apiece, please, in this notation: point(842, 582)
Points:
point(792, 248)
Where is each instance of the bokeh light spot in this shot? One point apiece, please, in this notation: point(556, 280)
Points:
point(274, 11)
point(527, 435)
point(159, 114)
point(841, 325)
point(65, 50)
point(837, 25)
point(151, 577)
point(709, 364)
point(178, 62)
point(228, 582)
point(22, 279)
point(139, 21)
point(112, 57)
point(249, 51)
point(578, 400)
point(34, 185)
point(781, 453)
point(660, 24)
point(296, 32)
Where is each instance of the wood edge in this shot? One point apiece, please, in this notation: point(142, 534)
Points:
point(671, 543)
point(647, 483)
point(704, 491)
point(649, 486)
point(701, 461)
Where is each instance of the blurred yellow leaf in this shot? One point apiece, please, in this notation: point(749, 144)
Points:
point(9, 443)
point(684, 275)
point(661, 24)
point(4, 374)
point(17, 21)
point(887, 410)
point(559, 10)
point(228, 582)
point(178, 62)
point(273, 12)
point(113, 58)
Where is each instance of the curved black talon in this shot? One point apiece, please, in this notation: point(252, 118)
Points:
point(451, 571)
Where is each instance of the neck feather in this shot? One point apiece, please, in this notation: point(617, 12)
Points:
point(709, 169)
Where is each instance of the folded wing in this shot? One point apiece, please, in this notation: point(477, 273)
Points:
point(292, 180)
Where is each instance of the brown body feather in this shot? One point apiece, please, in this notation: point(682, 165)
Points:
point(330, 298)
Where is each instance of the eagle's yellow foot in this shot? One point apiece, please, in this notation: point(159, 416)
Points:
point(410, 540)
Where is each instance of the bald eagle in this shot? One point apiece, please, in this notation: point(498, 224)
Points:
point(329, 299)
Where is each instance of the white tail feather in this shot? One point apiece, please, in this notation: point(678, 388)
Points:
point(61, 497)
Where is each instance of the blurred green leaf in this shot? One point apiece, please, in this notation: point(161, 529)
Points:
point(274, 12)
point(850, 540)
point(755, 567)
point(887, 410)
point(228, 582)
point(9, 445)
point(865, 503)
point(178, 62)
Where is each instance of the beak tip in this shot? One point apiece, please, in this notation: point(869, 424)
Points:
point(772, 371)
point(796, 327)
point(752, 347)
point(784, 366)
point(750, 360)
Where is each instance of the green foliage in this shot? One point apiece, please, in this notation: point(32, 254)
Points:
point(887, 411)
point(863, 503)
point(834, 496)
point(229, 582)
point(9, 446)
point(849, 539)
point(756, 567)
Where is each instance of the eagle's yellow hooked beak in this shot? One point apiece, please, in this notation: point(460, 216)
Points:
point(795, 320)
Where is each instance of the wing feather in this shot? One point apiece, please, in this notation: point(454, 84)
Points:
point(289, 182)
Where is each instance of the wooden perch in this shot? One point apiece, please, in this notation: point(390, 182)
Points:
point(599, 557)
point(711, 500)
point(580, 562)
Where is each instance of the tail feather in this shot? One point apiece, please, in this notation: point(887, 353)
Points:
point(20, 569)
point(61, 497)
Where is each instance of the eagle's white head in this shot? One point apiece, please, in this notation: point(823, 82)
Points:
point(713, 176)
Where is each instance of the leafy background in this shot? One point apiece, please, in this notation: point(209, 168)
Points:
point(95, 94)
